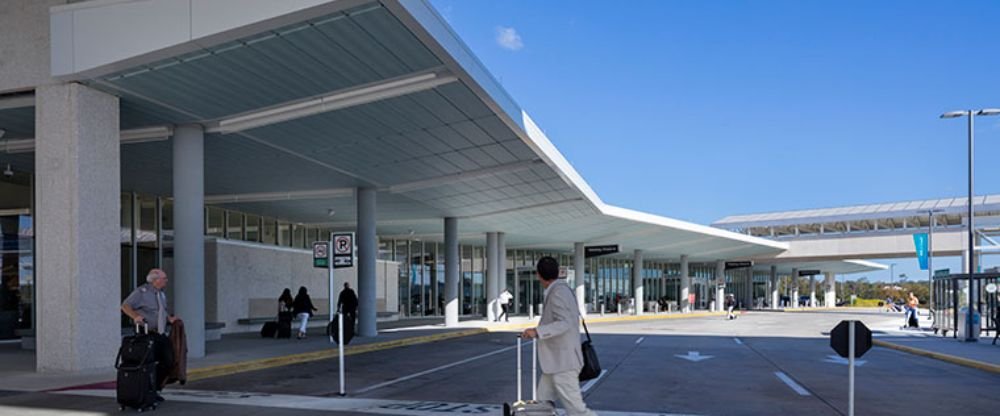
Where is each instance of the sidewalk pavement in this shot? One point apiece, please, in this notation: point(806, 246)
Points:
point(241, 352)
point(981, 355)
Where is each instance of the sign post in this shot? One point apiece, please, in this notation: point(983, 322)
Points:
point(850, 339)
point(339, 251)
point(340, 349)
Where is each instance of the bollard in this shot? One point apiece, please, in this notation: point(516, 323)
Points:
point(656, 308)
point(602, 309)
point(619, 309)
point(539, 308)
point(531, 312)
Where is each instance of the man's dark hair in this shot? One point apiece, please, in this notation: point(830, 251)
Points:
point(548, 268)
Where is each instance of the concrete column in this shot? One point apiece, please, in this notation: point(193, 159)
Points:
point(748, 290)
point(637, 284)
point(685, 306)
point(812, 291)
point(501, 282)
point(492, 273)
point(795, 288)
point(579, 269)
point(189, 234)
point(830, 297)
point(720, 280)
point(367, 252)
point(451, 276)
point(77, 228)
point(774, 287)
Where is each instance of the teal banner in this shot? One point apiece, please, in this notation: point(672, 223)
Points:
point(920, 242)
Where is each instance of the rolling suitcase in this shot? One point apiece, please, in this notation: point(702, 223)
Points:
point(269, 330)
point(533, 407)
point(284, 328)
point(136, 365)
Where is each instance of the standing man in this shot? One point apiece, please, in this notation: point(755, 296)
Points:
point(558, 334)
point(147, 304)
point(505, 298)
point(348, 302)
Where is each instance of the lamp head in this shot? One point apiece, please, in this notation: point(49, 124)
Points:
point(989, 112)
point(954, 114)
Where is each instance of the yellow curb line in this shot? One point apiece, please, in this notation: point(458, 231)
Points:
point(265, 363)
point(979, 365)
point(607, 319)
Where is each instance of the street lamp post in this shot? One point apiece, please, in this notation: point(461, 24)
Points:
point(971, 114)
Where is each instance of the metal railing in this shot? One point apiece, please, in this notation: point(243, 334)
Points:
point(951, 294)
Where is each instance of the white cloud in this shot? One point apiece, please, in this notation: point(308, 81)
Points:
point(508, 38)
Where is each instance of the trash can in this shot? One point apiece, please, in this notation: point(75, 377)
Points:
point(963, 316)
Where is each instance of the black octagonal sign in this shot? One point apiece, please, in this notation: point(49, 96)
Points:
point(839, 338)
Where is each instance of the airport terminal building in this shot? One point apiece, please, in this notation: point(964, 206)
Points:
point(218, 140)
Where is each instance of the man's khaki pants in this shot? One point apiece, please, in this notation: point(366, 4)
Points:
point(564, 387)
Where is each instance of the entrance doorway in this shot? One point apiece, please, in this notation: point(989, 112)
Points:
point(17, 260)
point(529, 291)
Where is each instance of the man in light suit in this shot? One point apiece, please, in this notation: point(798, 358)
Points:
point(558, 334)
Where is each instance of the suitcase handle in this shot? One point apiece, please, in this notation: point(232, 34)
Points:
point(534, 369)
point(118, 358)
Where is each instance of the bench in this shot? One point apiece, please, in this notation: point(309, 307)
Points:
point(213, 330)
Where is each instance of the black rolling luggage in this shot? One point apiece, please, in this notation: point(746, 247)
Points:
point(284, 329)
point(285, 324)
point(533, 407)
point(136, 365)
point(269, 330)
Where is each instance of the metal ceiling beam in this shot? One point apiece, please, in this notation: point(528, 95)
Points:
point(140, 135)
point(280, 196)
point(463, 176)
point(335, 100)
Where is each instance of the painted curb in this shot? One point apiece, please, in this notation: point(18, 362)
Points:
point(965, 362)
point(272, 362)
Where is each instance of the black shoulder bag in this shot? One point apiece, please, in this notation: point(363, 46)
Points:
point(591, 366)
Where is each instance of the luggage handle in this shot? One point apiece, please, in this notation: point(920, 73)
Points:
point(118, 358)
point(534, 370)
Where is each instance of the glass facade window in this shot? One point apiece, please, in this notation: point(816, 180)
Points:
point(17, 233)
point(234, 225)
point(215, 221)
point(284, 234)
point(269, 231)
point(252, 228)
point(299, 236)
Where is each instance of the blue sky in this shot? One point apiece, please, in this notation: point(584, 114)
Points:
point(698, 110)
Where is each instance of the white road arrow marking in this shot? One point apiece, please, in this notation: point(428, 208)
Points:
point(836, 359)
point(693, 356)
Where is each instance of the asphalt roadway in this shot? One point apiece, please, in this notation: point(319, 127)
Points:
point(761, 363)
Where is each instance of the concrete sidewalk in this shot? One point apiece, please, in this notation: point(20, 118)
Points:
point(981, 355)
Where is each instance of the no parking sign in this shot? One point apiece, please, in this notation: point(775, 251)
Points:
point(343, 250)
